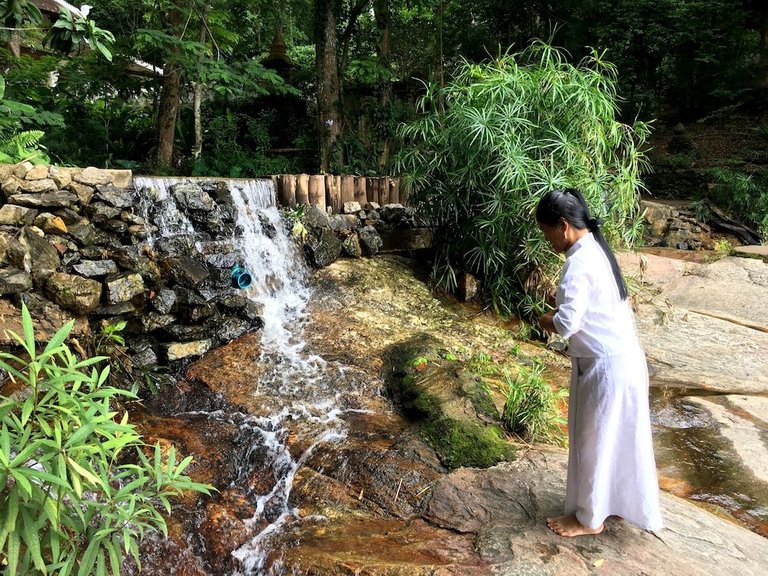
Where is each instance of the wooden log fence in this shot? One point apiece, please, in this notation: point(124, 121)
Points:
point(332, 191)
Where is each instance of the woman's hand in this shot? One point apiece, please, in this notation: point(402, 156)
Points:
point(546, 322)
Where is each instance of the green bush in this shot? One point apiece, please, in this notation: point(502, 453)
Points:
point(490, 143)
point(744, 196)
point(78, 490)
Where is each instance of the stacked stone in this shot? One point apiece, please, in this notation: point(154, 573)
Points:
point(362, 231)
point(72, 245)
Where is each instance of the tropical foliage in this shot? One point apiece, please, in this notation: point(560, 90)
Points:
point(80, 488)
point(492, 141)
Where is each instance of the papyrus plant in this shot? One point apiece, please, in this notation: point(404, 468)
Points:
point(77, 490)
point(492, 141)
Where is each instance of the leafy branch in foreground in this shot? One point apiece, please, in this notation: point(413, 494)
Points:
point(79, 488)
point(491, 142)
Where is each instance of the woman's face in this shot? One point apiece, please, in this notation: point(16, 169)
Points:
point(556, 235)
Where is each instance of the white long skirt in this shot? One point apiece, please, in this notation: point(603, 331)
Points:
point(611, 468)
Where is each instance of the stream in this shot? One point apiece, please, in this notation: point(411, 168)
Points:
point(292, 403)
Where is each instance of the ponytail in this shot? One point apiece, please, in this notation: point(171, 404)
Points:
point(571, 205)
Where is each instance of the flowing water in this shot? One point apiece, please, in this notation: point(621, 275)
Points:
point(295, 387)
point(697, 462)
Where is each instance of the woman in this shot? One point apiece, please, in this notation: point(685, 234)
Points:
point(611, 468)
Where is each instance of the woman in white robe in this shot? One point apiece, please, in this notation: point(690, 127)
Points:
point(611, 467)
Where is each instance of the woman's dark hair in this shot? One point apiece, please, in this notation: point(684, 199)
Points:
point(570, 204)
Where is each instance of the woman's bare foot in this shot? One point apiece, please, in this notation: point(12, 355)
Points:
point(569, 526)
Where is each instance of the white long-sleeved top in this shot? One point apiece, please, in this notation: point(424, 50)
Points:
point(590, 311)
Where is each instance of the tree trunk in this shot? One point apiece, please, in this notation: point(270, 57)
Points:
point(381, 12)
point(328, 87)
point(198, 93)
point(168, 105)
point(167, 113)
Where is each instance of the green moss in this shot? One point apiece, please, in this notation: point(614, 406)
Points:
point(460, 443)
point(476, 390)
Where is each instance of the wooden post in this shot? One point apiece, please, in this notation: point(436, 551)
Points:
point(276, 187)
point(286, 192)
point(347, 189)
point(361, 194)
point(394, 190)
point(384, 184)
point(302, 189)
point(333, 192)
point(317, 190)
point(370, 189)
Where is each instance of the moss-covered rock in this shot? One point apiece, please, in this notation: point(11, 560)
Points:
point(452, 406)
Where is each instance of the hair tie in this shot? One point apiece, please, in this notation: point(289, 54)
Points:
point(593, 223)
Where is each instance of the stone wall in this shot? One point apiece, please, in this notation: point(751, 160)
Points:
point(74, 245)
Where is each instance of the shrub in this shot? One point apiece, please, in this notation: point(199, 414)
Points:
point(79, 490)
point(490, 143)
point(532, 408)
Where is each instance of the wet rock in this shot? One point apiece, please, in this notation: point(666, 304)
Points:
point(94, 177)
point(192, 197)
point(124, 288)
point(222, 531)
point(187, 333)
point(372, 206)
point(230, 328)
point(143, 355)
point(656, 216)
point(323, 249)
point(184, 270)
point(116, 226)
point(119, 309)
point(370, 241)
point(14, 281)
point(118, 197)
point(51, 224)
point(95, 268)
point(739, 419)
point(231, 369)
point(11, 215)
point(75, 293)
point(99, 212)
point(59, 199)
point(181, 350)
point(151, 321)
point(164, 300)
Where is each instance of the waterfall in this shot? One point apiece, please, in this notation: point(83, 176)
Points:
point(295, 383)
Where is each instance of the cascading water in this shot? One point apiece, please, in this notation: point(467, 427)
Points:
point(294, 383)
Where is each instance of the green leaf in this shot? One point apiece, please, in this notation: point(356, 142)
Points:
point(89, 557)
point(31, 539)
point(21, 480)
point(14, 545)
point(12, 511)
point(29, 331)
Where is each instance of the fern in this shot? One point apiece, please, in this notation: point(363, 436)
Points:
point(23, 146)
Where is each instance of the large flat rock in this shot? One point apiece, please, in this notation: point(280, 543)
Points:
point(507, 507)
point(707, 328)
